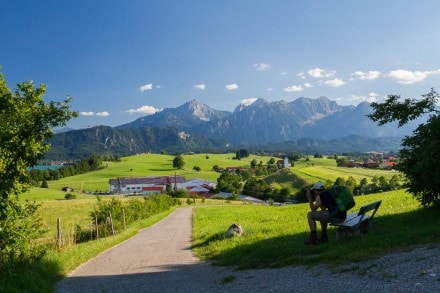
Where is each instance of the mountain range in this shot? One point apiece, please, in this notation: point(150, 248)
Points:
point(303, 124)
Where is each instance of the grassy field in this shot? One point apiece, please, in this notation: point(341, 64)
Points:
point(149, 165)
point(273, 236)
point(322, 169)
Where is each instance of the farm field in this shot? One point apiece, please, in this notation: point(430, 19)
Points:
point(77, 212)
point(323, 169)
point(151, 165)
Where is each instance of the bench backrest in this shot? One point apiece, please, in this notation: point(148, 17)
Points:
point(371, 207)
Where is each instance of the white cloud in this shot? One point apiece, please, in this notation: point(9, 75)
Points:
point(103, 114)
point(284, 73)
point(337, 82)
point(200, 86)
point(232, 86)
point(308, 85)
point(294, 88)
point(269, 89)
point(370, 75)
point(90, 113)
point(87, 113)
point(248, 101)
point(370, 98)
point(261, 66)
point(143, 110)
point(146, 87)
point(320, 73)
point(301, 75)
point(409, 77)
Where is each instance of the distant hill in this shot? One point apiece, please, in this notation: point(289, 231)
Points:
point(306, 125)
point(123, 142)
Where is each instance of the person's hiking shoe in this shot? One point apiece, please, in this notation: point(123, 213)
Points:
point(313, 240)
point(323, 238)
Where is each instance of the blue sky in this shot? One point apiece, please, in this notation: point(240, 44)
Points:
point(120, 60)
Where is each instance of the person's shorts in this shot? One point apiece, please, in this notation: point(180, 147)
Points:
point(321, 216)
point(324, 216)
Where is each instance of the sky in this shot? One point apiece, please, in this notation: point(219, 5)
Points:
point(121, 60)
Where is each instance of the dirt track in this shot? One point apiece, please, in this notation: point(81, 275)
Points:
point(159, 259)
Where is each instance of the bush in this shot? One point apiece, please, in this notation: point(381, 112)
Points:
point(69, 196)
point(17, 231)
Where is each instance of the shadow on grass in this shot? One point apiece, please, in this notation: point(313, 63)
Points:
point(163, 169)
point(38, 276)
point(388, 233)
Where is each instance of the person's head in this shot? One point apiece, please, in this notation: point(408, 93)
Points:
point(317, 188)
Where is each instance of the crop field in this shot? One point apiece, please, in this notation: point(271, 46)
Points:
point(326, 169)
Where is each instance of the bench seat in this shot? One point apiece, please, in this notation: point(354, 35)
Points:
point(357, 223)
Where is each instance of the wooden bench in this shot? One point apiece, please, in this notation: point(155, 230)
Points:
point(358, 223)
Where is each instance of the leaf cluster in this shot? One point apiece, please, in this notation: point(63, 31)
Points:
point(419, 154)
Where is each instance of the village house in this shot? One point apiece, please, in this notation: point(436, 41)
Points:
point(284, 163)
point(158, 184)
point(145, 185)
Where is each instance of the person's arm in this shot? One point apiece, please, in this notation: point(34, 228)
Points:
point(314, 202)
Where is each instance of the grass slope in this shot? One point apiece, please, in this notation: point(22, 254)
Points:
point(274, 236)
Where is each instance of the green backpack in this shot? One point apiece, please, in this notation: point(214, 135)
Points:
point(343, 197)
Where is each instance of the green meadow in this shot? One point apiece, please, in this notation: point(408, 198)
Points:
point(273, 235)
point(149, 165)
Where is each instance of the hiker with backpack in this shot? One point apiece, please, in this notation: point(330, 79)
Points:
point(323, 209)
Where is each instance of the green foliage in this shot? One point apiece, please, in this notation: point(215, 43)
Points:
point(26, 122)
point(419, 154)
point(242, 153)
point(117, 213)
point(179, 193)
point(17, 233)
point(178, 162)
point(257, 187)
point(229, 182)
point(69, 196)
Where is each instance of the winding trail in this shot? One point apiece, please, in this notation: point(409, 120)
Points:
point(159, 259)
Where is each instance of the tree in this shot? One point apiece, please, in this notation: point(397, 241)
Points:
point(242, 153)
point(26, 123)
point(229, 182)
point(419, 154)
point(44, 184)
point(178, 162)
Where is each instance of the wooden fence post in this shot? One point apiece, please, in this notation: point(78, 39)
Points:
point(111, 222)
point(123, 214)
point(60, 240)
point(97, 227)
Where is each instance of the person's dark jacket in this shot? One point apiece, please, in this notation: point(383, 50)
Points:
point(330, 203)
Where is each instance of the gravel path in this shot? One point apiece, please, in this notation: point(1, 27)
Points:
point(159, 259)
